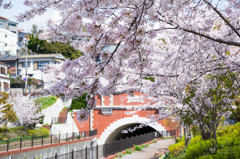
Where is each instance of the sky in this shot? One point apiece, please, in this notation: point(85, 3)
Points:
point(19, 7)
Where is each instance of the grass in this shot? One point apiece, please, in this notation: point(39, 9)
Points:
point(46, 101)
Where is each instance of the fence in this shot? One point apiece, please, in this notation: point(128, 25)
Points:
point(19, 143)
point(99, 151)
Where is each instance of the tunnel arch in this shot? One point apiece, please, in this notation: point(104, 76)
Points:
point(120, 124)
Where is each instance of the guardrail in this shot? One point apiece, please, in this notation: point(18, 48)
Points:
point(24, 142)
point(100, 151)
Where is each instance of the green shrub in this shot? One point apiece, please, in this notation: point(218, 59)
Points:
point(78, 137)
point(146, 146)
point(137, 148)
point(177, 148)
point(128, 151)
point(228, 143)
point(178, 140)
point(39, 132)
point(79, 103)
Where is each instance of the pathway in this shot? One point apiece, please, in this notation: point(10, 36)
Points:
point(148, 153)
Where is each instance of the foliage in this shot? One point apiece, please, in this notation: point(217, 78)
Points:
point(17, 80)
point(152, 79)
point(79, 103)
point(137, 148)
point(208, 100)
point(171, 122)
point(177, 148)
point(7, 111)
point(12, 133)
point(46, 101)
point(39, 132)
point(44, 47)
point(32, 81)
point(129, 151)
point(228, 143)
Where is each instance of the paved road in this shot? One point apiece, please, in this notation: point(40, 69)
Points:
point(148, 153)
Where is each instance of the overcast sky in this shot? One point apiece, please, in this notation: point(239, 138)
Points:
point(18, 7)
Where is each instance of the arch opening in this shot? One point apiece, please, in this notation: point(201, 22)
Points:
point(118, 135)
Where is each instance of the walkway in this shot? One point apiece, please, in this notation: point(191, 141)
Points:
point(148, 153)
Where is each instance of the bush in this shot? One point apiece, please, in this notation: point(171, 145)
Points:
point(178, 140)
point(79, 103)
point(177, 148)
point(228, 143)
point(137, 148)
point(146, 146)
point(128, 151)
point(39, 132)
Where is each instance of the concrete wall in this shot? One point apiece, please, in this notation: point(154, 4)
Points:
point(8, 41)
point(50, 152)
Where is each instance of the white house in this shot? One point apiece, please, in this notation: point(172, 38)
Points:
point(36, 65)
point(4, 77)
point(8, 36)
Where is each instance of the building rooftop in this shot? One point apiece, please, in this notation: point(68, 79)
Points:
point(4, 18)
point(1, 63)
point(42, 56)
point(10, 58)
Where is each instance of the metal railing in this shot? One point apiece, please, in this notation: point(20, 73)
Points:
point(99, 151)
point(26, 142)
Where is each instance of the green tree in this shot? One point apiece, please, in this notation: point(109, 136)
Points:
point(79, 102)
point(8, 111)
point(43, 47)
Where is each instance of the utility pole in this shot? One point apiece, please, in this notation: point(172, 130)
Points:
point(26, 82)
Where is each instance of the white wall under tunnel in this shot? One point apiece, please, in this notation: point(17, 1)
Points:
point(120, 124)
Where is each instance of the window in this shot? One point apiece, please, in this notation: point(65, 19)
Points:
point(20, 38)
point(1, 25)
point(24, 64)
point(107, 111)
point(5, 85)
point(10, 24)
point(10, 64)
point(5, 35)
point(3, 70)
point(5, 44)
point(42, 65)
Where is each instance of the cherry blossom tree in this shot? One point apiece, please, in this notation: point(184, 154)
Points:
point(174, 42)
point(27, 111)
point(206, 102)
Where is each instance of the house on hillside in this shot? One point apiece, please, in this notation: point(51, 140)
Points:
point(36, 65)
point(8, 36)
point(12, 63)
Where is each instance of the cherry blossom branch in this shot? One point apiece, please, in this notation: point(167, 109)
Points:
point(225, 20)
